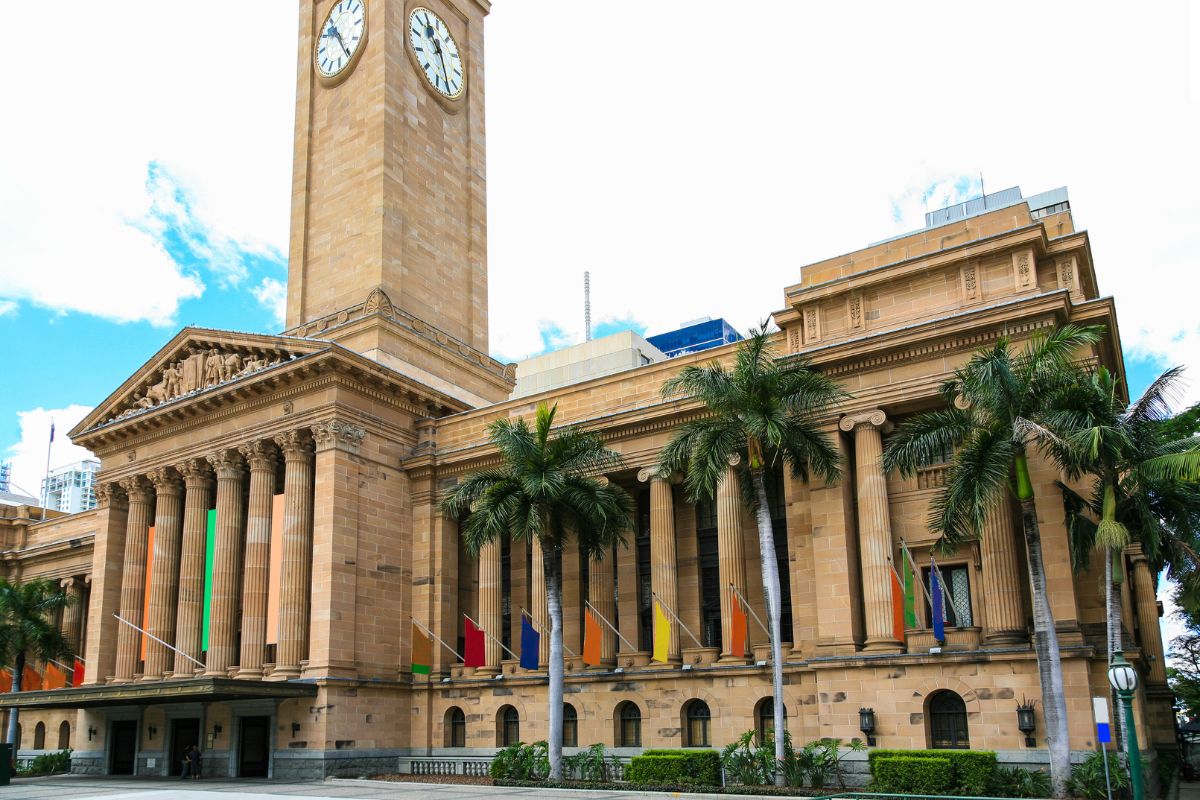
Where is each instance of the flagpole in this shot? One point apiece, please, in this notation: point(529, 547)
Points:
point(46, 479)
point(916, 572)
point(493, 638)
point(675, 617)
point(610, 625)
point(750, 608)
point(438, 638)
point(160, 641)
point(533, 620)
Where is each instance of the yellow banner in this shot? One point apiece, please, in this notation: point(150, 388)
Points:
point(662, 634)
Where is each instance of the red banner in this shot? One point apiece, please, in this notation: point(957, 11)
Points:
point(473, 651)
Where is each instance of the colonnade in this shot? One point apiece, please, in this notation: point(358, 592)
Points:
point(176, 501)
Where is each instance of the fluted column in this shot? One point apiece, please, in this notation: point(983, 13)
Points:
point(189, 613)
point(73, 614)
point(602, 597)
point(296, 560)
point(164, 575)
point(260, 456)
point(133, 575)
point(540, 607)
point(664, 565)
point(1150, 634)
point(874, 528)
point(731, 553)
point(227, 562)
point(1002, 580)
point(490, 600)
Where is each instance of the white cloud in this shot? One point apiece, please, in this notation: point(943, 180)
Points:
point(272, 294)
point(28, 455)
point(7, 307)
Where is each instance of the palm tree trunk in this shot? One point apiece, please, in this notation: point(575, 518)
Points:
point(552, 565)
point(1045, 639)
point(1113, 616)
point(14, 712)
point(770, 576)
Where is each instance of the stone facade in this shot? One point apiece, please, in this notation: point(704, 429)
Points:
point(378, 398)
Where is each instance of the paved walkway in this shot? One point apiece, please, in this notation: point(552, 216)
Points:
point(78, 787)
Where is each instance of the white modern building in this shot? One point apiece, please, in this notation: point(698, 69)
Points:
point(70, 489)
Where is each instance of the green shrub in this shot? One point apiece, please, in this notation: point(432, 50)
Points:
point(521, 762)
point(1087, 779)
point(1018, 782)
point(657, 769)
point(48, 764)
point(697, 767)
point(903, 775)
point(592, 765)
point(749, 762)
point(971, 771)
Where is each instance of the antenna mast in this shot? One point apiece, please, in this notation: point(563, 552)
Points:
point(587, 306)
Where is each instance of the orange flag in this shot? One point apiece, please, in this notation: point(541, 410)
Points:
point(30, 680)
point(897, 608)
point(5, 681)
point(55, 677)
point(737, 630)
point(591, 639)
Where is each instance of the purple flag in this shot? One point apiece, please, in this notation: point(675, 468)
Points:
point(530, 641)
point(938, 610)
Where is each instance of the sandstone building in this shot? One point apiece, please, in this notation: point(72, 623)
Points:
point(323, 452)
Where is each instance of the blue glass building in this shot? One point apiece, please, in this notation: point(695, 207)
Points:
point(694, 337)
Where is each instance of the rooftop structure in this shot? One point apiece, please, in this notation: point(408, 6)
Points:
point(581, 362)
point(694, 336)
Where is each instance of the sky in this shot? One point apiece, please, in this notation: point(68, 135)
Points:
point(691, 155)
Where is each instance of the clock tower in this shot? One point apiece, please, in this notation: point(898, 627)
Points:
point(388, 249)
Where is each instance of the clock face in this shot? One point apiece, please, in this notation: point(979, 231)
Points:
point(342, 34)
point(436, 52)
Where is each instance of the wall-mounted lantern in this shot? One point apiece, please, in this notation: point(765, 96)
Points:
point(866, 724)
point(1027, 721)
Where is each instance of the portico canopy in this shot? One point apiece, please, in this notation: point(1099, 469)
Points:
point(191, 690)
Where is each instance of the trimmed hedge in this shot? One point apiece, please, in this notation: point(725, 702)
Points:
point(912, 775)
point(693, 767)
point(675, 788)
point(971, 771)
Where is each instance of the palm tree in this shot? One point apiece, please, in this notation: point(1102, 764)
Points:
point(28, 630)
point(995, 406)
point(549, 488)
point(1119, 446)
point(765, 409)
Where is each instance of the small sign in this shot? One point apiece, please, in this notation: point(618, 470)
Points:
point(1103, 733)
point(1100, 712)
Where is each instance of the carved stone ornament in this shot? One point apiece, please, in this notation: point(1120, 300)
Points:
point(1023, 267)
point(196, 370)
point(812, 324)
point(378, 303)
point(110, 495)
point(970, 282)
point(226, 463)
point(854, 307)
point(165, 480)
point(295, 445)
point(137, 489)
point(260, 455)
point(334, 432)
point(195, 471)
point(793, 339)
point(873, 419)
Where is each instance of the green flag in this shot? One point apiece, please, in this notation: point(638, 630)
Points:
point(210, 542)
point(910, 598)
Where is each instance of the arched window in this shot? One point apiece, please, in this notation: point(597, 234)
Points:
point(456, 728)
point(629, 725)
point(39, 736)
point(764, 717)
point(64, 735)
point(570, 726)
point(948, 722)
point(508, 727)
point(696, 718)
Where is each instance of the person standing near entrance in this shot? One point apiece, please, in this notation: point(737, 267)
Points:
point(191, 763)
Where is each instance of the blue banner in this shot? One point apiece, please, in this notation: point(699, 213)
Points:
point(530, 642)
point(939, 609)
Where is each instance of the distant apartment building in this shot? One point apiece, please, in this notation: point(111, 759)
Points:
point(692, 337)
point(70, 489)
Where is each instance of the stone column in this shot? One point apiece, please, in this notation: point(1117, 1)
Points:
point(1149, 633)
point(227, 562)
point(874, 528)
point(1002, 579)
point(603, 598)
point(540, 607)
point(260, 456)
point(663, 562)
point(133, 576)
point(731, 553)
point(189, 615)
point(104, 592)
point(490, 600)
point(164, 575)
point(296, 559)
point(73, 614)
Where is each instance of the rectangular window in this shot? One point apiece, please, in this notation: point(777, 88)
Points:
point(645, 592)
point(710, 574)
point(956, 595)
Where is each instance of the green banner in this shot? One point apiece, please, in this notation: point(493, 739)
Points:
point(210, 538)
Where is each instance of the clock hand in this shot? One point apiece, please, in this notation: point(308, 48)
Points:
point(445, 72)
point(338, 34)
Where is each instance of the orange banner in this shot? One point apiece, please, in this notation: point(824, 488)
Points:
point(5, 681)
point(146, 598)
point(591, 639)
point(737, 629)
point(30, 680)
point(55, 678)
point(275, 572)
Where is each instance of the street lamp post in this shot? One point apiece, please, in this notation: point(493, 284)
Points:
point(1123, 678)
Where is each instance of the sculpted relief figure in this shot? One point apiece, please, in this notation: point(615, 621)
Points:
point(172, 376)
point(231, 365)
point(214, 367)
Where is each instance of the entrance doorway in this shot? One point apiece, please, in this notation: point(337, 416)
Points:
point(123, 747)
point(184, 734)
point(254, 747)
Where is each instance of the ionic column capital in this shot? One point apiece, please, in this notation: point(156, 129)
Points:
point(137, 489)
point(110, 495)
point(874, 418)
point(226, 463)
point(260, 455)
point(67, 583)
point(166, 480)
point(295, 445)
point(655, 473)
point(337, 433)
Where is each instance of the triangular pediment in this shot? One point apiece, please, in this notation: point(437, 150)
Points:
point(195, 361)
